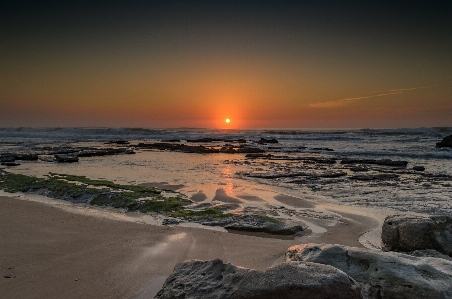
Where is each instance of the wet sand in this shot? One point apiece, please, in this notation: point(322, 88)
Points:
point(53, 253)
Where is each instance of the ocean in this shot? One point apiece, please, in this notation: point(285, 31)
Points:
point(305, 164)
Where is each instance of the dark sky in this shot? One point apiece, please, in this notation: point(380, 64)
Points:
point(193, 63)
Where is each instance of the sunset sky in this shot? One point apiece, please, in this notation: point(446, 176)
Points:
point(262, 64)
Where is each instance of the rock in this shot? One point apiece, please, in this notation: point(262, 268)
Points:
point(264, 141)
point(117, 142)
point(170, 221)
point(419, 168)
point(66, 158)
point(253, 223)
point(27, 157)
point(383, 275)
point(249, 150)
point(372, 177)
point(194, 279)
point(408, 233)
point(258, 155)
point(7, 159)
point(10, 164)
point(382, 162)
point(446, 142)
point(171, 140)
point(327, 149)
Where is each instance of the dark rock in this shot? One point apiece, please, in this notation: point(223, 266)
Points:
point(117, 142)
point(171, 140)
point(25, 157)
point(206, 139)
point(264, 141)
point(7, 159)
point(383, 162)
point(332, 174)
point(408, 233)
point(241, 140)
point(446, 142)
point(383, 275)
point(228, 150)
point(258, 155)
point(253, 223)
point(249, 150)
point(66, 158)
point(322, 149)
point(373, 177)
point(170, 221)
point(10, 164)
point(194, 279)
point(419, 168)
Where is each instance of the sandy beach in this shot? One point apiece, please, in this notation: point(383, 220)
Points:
point(50, 252)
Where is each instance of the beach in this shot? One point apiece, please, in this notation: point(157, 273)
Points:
point(61, 251)
point(60, 245)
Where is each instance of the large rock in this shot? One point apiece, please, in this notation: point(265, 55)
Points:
point(383, 275)
point(255, 223)
point(408, 233)
point(215, 279)
point(446, 142)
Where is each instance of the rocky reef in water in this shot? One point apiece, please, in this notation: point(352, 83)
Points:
point(82, 190)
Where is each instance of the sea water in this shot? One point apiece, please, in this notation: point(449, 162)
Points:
point(425, 192)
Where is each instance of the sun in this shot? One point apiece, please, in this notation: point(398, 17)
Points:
point(227, 120)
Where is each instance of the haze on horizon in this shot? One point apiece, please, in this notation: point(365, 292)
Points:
point(262, 64)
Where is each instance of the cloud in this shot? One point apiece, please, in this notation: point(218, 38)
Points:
point(345, 102)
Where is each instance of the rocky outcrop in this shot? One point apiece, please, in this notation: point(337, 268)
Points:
point(215, 279)
point(265, 141)
point(10, 164)
point(66, 158)
point(25, 157)
point(408, 233)
point(382, 162)
point(446, 142)
point(383, 275)
point(7, 159)
point(255, 223)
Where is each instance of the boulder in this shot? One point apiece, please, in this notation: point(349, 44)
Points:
point(408, 233)
point(194, 279)
point(418, 168)
point(446, 142)
point(383, 275)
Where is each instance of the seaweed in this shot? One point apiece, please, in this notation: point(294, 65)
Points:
point(80, 189)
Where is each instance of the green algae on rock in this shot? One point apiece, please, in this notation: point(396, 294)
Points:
point(80, 189)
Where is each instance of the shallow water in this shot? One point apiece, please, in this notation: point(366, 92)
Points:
point(237, 181)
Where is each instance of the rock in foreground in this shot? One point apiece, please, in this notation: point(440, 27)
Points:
point(408, 233)
point(255, 223)
point(383, 275)
point(215, 279)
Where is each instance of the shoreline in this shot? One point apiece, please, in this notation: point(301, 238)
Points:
point(71, 251)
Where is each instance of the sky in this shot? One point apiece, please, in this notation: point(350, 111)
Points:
point(262, 64)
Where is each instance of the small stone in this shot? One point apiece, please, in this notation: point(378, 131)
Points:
point(419, 168)
point(7, 276)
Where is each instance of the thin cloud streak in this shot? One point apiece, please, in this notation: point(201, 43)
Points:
point(345, 102)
